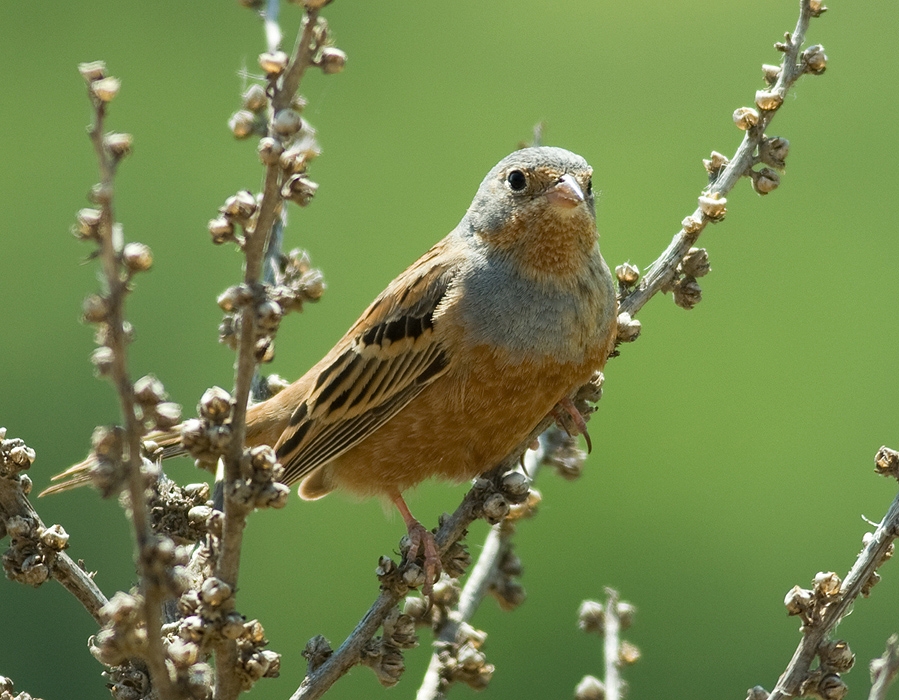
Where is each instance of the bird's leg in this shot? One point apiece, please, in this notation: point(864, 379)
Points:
point(420, 539)
point(567, 405)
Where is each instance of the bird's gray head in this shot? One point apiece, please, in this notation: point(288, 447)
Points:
point(532, 182)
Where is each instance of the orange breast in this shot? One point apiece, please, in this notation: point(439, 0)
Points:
point(461, 425)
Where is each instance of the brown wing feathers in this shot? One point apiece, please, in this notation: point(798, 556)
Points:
point(374, 377)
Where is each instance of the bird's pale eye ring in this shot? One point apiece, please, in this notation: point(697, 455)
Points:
point(517, 181)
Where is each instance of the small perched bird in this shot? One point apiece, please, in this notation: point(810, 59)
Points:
point(454, 364)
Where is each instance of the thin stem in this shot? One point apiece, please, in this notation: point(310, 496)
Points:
point(116, 340)
point(868, 560)
point(662, 271)
point(611, 645)
point(228, 563)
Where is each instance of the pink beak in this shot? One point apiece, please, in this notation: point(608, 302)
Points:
point(566, 193)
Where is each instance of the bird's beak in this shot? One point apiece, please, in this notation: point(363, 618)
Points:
point(566, 193)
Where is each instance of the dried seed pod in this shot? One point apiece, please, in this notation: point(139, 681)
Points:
point(287, 122)
point(714, 206)
point(768, 100)
point(332, 60)
point(254, 98)
point(105, 89)
point(270, 150)
point(627, 274)
point(242, 123)
point(93, 70)
point(118, 145)
point(273, 62)
point(814, 59)
point(765, 181)
point(771, 73)
point(745, 118)
point(137, 257)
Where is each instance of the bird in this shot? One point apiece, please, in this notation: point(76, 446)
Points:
point(455, 363)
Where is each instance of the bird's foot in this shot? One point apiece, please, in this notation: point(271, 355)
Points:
point(421, 541)
point(571, 420)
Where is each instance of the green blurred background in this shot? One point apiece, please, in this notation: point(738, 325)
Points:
point(734, 443)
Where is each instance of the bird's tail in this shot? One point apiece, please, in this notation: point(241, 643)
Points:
point(80, 474)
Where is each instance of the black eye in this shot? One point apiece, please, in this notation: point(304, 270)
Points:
point(517, 181)
point(590, 186)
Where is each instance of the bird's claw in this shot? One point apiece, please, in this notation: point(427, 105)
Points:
point(421, 540)
point(566, 409)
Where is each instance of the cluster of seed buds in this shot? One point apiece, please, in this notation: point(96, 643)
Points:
point(684, 288)
point(434, 612)
point(184, 514)
point(564, 455)
point(7, 689)
point(400, 579)
point(123, 635)
point(126, 682)
point(498, 495)
point(155, 411)
point(384, 654)
point(208, 616)
point(107, 460)
point(207, 438)
point(254, 661)
point(316, 652)
point(505, 586)
point(595, 618)
point(810, 605)
point(296, 282)
point(32, 550)
point(102, 89)
point(252, 117)
point(270, 303)
point(824, 682)
point(15, 457)
point(886, 462)
point(239, 211)
point(463, 661)
point(164, 565)
point(261, 485)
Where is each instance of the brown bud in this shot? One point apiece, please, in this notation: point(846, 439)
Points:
point(696, 263)
point(773, 151)
point(332, 60)
point(95, 308)
point(745, 118)
point(270, 150)
point(771, 73)
point(814, 59)
point(118, 145)
point(714, 206)
point(93, 70)
point(273, 63)
point(768, 100)
point(242, 123)
point(590, 688)
point(765, 181)
point(105, 89)
point(221, 230)
point(254, 98)
point(137, 257)
point(628, 328)
point(287, 122)
point(88, 224)
point(627, 274)
point(299, 189)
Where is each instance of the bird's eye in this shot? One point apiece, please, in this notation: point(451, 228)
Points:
point(517, 181)
point(590, 186)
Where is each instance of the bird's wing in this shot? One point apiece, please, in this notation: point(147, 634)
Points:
point(380, 365)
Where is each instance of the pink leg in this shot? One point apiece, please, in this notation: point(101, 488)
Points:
point(568, 406)
point(421, 539)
